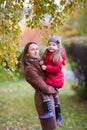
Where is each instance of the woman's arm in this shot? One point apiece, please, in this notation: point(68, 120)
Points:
point(37, 81)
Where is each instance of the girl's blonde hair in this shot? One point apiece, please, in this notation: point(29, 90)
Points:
point(57, 55)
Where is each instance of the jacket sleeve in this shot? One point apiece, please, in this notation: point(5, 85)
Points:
point(37, 81)
point(63, 55)
point(54, 68)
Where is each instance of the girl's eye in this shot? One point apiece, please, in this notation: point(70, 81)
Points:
point(32, 49)
point(54, 44)
point(49, 45)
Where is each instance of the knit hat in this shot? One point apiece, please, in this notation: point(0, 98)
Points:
point(55, 39)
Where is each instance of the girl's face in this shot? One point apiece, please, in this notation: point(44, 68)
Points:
point(33, 51)
point(52, 46)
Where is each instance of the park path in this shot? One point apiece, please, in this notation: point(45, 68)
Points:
point(68, 74)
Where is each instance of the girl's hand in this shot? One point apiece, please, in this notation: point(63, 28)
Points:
point(44, 67)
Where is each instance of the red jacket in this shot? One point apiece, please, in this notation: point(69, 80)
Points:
point(54, 74)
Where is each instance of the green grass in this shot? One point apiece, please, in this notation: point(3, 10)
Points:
point(68, 65)
point(17, 110)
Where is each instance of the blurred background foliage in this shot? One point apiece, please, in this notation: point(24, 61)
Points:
point(34, 11)
point(77, 56)
point(67, 19)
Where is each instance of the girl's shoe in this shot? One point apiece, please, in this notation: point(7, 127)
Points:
point(48, 109)
point(59, 119)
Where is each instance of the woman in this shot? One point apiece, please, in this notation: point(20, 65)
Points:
point(34, 75)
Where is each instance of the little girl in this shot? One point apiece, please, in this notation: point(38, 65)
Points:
point(52, 61)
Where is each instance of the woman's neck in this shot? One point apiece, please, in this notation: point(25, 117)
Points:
point(32, 59)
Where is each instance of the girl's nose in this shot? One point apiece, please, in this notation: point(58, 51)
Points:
point(36, 51)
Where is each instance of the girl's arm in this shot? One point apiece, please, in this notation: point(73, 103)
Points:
point(63, 56)
point(54, 68)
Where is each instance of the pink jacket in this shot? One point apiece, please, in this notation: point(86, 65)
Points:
point(54, 74)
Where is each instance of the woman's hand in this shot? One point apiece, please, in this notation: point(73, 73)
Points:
point(41, 62)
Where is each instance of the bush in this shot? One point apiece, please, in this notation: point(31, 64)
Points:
point(77, 54)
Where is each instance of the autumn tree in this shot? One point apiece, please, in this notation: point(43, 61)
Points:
point(35, 12)
point(83, 23)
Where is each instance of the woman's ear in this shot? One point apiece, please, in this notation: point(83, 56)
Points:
point(27, 54)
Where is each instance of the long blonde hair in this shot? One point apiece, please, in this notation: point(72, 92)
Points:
point(57, 55)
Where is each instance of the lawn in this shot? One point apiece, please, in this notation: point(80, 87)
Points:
point(17, 110)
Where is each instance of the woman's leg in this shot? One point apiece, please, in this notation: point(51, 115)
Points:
point(46, 124)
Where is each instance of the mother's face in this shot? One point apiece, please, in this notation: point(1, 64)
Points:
point(33, 51)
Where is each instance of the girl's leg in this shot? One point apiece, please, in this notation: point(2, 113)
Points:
point(47, 107)
point(57, 109)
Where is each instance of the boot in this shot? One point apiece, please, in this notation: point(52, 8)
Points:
point(57, 110)
point(58, 114)
point(48, 109)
